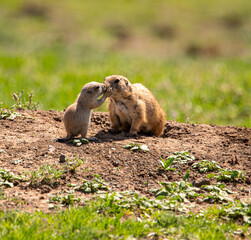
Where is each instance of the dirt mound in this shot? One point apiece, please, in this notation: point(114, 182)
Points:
point(29, 142)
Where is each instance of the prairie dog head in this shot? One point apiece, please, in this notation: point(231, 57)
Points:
point(117, 85)
point(90, 94)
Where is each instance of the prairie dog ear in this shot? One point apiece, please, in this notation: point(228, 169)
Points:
point(126, 81)
point(128, 84)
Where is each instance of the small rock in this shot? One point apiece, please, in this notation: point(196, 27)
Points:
point(248, 180)
point(51, 148)
point(58, 119)
point(62, 158)
point(201, 181)
point(115, 163)
point(199, 200)
point(16, 161)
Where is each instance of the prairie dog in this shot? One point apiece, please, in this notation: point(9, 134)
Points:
point(133, 107)
point(77, 115)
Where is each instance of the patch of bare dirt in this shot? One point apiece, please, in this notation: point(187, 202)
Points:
point(33, 141)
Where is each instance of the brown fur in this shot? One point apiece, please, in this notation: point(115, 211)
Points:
point(77, 115)
point(132, 106)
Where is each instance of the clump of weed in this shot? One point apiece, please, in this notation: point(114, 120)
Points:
point(50, 174)
point(91, 186)
point(47, 175)
point(231, 175)
point(71, 166)
point(68, 199)
point(226, 175)
point(182, 157)
point(22, 103)
point(217, 193)
point(180, 191)
point(184, 191)
point(7, 178)
point(137, 147)
point(166, 163)
point(9, 114)
point(236, 210)
point(206, 166)
point(78, 141)
point(133, 203)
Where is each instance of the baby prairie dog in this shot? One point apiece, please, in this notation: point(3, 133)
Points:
point(133, 107)
point(77, 115)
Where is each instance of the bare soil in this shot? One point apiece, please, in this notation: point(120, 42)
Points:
point(32, 139)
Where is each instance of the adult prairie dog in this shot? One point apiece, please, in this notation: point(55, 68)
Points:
point(77, 115)
point(133, 107)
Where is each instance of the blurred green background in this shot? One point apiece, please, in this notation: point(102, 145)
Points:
point(195, 56)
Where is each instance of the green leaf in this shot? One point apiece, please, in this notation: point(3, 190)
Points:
point(135, 148)
point(78, 144)
point(186, 175)
point(8, 184)
point(169, 161)
point(162, 193)
point(84, 140)
point(129, 145)
point(144, 148)
point(171, 169)
point(211, 175)
point(234, 174)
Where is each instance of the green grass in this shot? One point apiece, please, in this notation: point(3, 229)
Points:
point(106, 219)
point(125, 215)
point(203, 92)
point(194, 56)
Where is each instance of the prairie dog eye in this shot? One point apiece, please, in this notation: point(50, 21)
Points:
point(97, 87)
point(116, 81)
